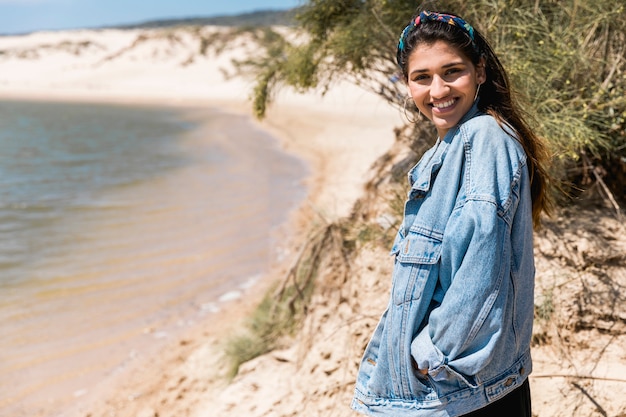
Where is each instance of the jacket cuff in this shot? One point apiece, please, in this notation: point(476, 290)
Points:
point(426, 354)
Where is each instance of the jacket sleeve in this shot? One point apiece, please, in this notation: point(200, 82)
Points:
point(461, 333)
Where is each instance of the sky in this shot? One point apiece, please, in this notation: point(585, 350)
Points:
point(22, 16)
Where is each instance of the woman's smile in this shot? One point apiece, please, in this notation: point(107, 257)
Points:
point(443, 106)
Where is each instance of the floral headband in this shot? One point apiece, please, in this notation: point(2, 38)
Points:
point(435, 17)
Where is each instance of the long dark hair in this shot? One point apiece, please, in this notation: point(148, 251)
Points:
point(495, 98)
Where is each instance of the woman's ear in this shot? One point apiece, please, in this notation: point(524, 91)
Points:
point(481, 71)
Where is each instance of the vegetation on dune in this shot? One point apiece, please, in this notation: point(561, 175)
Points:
point(566, 59)
point(567, 62)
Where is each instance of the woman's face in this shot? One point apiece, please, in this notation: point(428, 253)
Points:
point(442, 82)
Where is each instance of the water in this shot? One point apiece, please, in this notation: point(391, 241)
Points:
point(118, 226)
point(56, 160)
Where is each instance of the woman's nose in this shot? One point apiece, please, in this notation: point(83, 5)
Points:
point(439, 88)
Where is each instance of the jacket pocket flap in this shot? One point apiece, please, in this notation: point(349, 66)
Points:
point(420, 249)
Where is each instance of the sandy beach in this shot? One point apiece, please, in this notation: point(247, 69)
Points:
point(340, 135)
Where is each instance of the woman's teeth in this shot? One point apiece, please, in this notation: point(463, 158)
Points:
point(444, 105)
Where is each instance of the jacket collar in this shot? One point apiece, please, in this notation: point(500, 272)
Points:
point(422, 174)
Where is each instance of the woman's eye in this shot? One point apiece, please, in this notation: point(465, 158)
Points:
point(453, 70)
point(418, 78)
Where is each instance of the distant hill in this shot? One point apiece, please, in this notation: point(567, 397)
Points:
point(256, 18)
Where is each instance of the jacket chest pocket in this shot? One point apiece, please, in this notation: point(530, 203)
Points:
point(417, 263)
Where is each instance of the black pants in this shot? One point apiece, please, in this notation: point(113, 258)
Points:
point(514, 404)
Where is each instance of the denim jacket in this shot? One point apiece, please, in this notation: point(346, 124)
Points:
point(461, 303)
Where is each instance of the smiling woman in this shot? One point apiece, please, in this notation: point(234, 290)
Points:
point(455, 338)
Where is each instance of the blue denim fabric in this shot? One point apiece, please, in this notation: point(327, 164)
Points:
point(461, 303)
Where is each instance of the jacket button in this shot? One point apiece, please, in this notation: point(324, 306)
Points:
point(509, 382)
point(521, 370)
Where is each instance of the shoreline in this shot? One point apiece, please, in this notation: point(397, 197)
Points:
point(338, 135)
point(328, 121)
point(297, 131)
point(150, 335)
